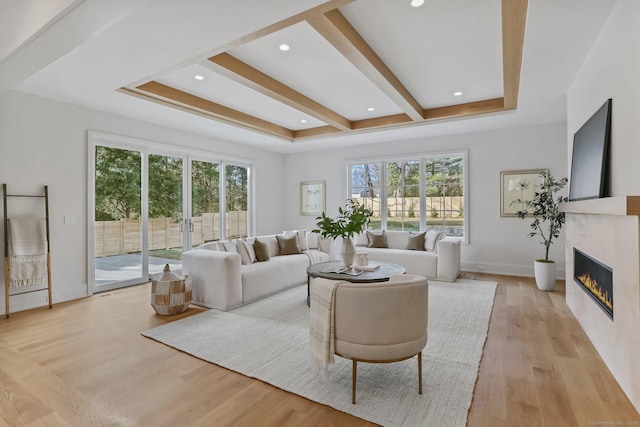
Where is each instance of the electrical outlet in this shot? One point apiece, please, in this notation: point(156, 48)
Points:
point(69, 219)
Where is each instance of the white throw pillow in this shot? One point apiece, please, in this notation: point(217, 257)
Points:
point(230, 247)
point(248, 246)
point(245, 258)
point(432, 238)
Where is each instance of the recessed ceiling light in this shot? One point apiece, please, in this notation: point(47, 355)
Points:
point(370, 109)
point(198, 77)
point(417, 3)
point(284, 47)
point(458, 93)
point(303, 121)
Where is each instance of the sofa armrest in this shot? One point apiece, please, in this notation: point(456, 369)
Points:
point(216, 278)
point(448, 250)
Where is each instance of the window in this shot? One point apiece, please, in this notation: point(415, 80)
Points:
point(415, 193)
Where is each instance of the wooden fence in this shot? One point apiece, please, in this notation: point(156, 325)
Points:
point(125, 236)
point(448, 206)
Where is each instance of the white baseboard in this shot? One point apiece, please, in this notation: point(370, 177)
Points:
point(506, 269)
point(37, 299)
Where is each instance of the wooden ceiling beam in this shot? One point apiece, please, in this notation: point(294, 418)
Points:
point(184, 99)
point(514, 20)
point(335, 28)
point(246, 75)
point(467, 109)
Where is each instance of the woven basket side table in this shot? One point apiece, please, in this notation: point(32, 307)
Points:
point(171, 296)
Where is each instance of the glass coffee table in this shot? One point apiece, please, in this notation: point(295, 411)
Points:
point(331, 270)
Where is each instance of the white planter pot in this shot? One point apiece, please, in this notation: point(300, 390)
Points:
point(348, 252)
point(545, 274)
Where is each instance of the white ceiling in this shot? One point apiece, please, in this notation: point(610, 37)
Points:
point(83, 52)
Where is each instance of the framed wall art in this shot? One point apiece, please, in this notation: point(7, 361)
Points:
point(517, 185)
point(312, 198)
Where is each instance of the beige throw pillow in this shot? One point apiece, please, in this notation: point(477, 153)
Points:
point(377, 240)
point(288, 245)
point(262, 251)
point(302, 238)
point(416, 242)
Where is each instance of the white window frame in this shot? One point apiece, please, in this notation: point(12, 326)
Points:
point(422, 157)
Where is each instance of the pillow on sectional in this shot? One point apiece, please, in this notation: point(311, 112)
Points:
point(377, 240)
point(416, 242)
point(245, 259)
point(288, 245)
point(432, 239)
point(248, 246)
point(262, 251)
point(230, 246)
point(302, 238)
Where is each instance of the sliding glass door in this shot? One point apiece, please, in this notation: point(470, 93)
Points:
point(147, 204)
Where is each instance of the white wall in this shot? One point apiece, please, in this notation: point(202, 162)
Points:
point(43, 142)
point(496, 244)
point(612, 70)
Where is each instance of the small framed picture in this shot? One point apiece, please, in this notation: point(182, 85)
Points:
point(312, 198)
point(517, 187)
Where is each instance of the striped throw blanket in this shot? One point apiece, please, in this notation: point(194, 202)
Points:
point(27, 251)
point(322, 323)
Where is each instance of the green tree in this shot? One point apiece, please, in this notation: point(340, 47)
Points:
point(165, 187)
point(118, 193)
point(237, 180)
point(205, 182)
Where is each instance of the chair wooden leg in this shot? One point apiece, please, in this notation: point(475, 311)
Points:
point(420, 373)
point(354, 377)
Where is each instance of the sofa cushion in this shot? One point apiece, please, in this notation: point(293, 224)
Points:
point(288, 245)
point(377, 240)
point(262, 250)
point(242, 251)
point(416, 242)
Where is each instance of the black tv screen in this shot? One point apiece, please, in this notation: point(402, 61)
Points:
point(589, 160)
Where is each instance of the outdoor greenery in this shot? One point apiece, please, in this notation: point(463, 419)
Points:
point(118, 186)
point(547, 218)
point(350, 221)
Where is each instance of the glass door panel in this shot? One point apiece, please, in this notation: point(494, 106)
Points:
point(205, 202)
point(165, 223)
point(118, 231)
point(237, 201)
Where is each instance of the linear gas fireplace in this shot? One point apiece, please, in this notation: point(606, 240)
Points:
point(595, 278)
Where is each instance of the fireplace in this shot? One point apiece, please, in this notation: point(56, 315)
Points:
point(595, 278)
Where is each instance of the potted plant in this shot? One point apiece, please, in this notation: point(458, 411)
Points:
point(547, 223)
point(351, 220)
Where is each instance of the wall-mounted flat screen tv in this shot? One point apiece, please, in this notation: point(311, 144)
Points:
point(589, 159)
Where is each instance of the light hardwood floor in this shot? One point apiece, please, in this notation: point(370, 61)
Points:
point(84, 363)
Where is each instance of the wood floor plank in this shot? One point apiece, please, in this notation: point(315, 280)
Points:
point(84, 362)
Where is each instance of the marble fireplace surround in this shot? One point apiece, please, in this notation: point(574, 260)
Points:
point(607, 229)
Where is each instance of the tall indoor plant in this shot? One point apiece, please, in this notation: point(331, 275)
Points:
point(547, 223)
point(351, 220)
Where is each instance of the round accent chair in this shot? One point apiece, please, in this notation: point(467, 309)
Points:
point(380, 322)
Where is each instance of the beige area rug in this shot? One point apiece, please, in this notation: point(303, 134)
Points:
point(268, 340)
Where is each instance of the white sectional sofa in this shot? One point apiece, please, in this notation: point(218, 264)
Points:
point(224, 276)
point(437, 258)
